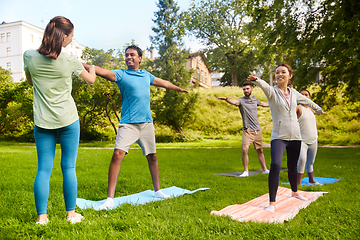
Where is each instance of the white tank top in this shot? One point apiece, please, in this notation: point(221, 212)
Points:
point(308, 129)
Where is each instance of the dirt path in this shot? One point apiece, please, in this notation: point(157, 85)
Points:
point(264, 146)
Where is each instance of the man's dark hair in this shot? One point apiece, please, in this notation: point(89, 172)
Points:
point(247, 84)
point(139, 51)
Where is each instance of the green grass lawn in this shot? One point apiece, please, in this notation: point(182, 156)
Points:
point(336, 215)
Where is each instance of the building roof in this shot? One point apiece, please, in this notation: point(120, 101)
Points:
point(203, 57)
point(21, 22)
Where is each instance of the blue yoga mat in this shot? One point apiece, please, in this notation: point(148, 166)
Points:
point(322, 180)
point(137, 198)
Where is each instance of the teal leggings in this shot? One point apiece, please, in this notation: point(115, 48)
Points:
point(45, 140)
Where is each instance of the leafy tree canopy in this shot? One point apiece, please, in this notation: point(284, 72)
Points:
point(224, 27)
point(320, 39)
point(16, 113)
point(171, 108)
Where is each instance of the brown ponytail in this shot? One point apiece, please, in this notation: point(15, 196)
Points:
point(54, 34)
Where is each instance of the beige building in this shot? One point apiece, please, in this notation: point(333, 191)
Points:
point(16, 38)
point(202, 74)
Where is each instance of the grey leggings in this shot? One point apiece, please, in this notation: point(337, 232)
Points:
point(277, 149)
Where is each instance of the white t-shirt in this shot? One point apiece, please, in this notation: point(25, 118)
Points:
point(308, 129)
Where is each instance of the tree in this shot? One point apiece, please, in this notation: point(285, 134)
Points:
point(331, 44)
point(223, 26)
point(100, 103)
point(16, 113)
point(171, 108)
point(316, 36)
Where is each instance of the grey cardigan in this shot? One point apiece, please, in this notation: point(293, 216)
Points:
point(285, 122)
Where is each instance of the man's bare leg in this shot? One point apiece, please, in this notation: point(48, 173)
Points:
point(114, 170)
point(245, 160)
point(261, 157)
point(154, 170)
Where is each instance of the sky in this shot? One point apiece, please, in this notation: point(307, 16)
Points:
point(102, 24)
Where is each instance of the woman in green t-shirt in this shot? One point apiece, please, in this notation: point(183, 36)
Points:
point(49, 71)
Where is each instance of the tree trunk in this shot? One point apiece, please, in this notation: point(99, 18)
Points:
point(180, 130)
point(271, 76)
point(85, 123)
point(114, 109)
point(110, 97)
point(234, 81)
point(111, 102)
point(112, 124)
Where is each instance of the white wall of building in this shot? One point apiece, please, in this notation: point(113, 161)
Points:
point(16, 38)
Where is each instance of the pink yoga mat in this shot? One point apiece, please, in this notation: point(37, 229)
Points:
point(286, 207)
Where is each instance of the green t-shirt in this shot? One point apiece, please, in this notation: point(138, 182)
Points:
point(53, 104)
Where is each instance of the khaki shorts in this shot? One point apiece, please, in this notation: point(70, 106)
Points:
point(251, 136)
point(141, 133)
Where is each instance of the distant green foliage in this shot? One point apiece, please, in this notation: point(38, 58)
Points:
point(216, 119)
point(16, 113)
point(341, 125)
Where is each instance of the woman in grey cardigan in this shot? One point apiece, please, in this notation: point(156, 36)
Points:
point(286, 131)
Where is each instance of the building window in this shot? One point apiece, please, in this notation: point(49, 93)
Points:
point(202, 76)
point(8, 36)
point(205, 79)
point(8, 66)
point(8, 51)
point(197, 74)
point(3, 37)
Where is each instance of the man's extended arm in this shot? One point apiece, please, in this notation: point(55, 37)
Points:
point(168, 85)
point(230, 100)
point(264, 104)
point(105, 73)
